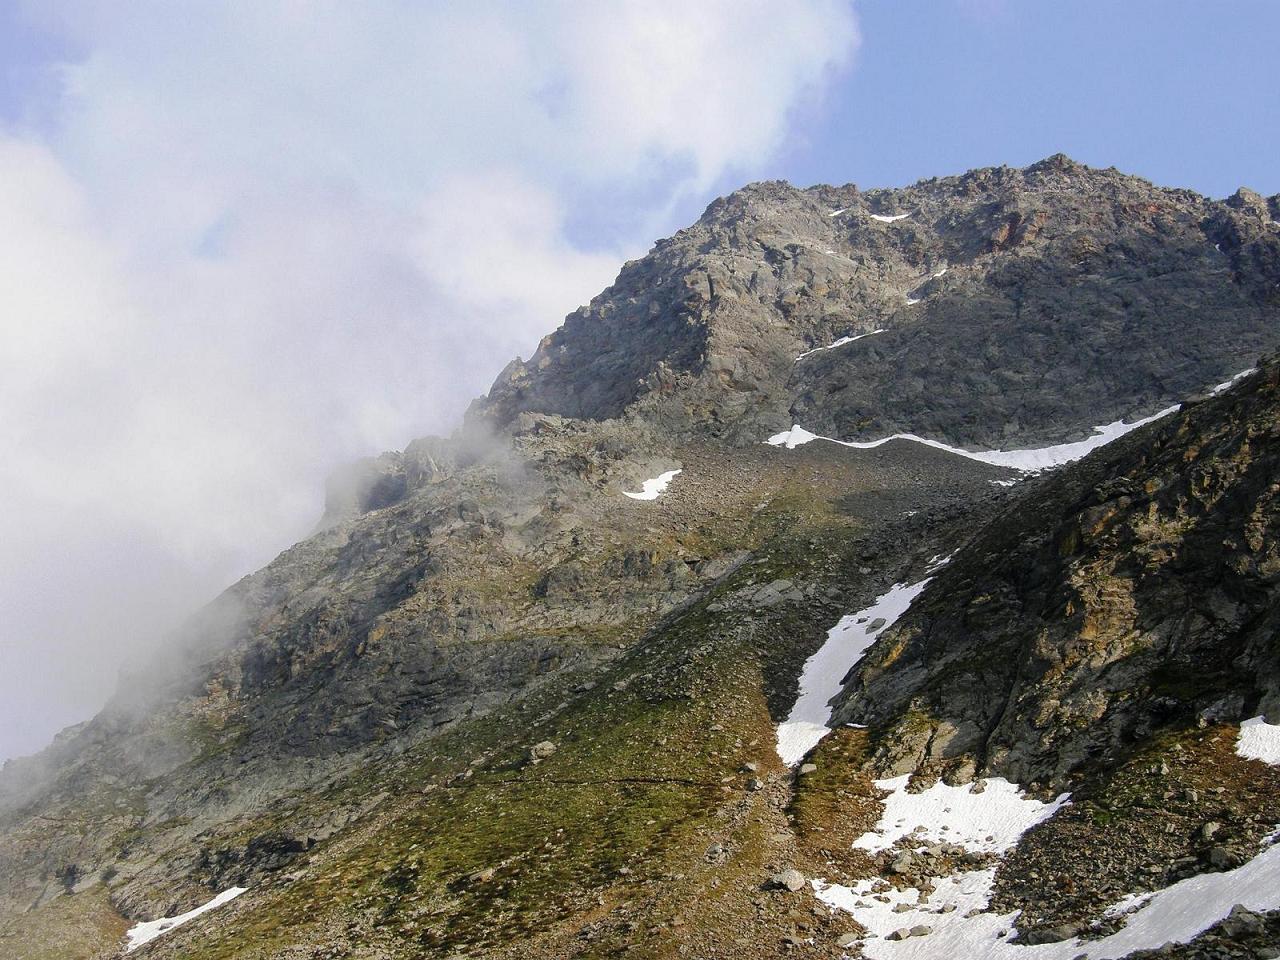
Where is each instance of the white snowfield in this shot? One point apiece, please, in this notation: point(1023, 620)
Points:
point(652, 489)
point(146, 932)
point(838, 343)
point(1029, 460)
point(990, 821)
point(993, 820)
point(846, 643)
point(1259, 740)
point(884, 219)
point(836, 213)
point(1175, 914)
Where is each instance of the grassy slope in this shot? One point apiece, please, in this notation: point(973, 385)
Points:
point(603, 846)
point(648, 759)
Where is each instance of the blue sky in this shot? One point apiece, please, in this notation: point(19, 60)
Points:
point(1182, 92)
point(243, 243)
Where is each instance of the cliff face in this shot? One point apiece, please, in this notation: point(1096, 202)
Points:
point(1017, 307)
point(1136, 590)
point(349, 733)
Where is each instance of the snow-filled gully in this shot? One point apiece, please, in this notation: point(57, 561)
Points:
point(1028, 460)
point(838, 343)
point(148, 930)
point(846, 642)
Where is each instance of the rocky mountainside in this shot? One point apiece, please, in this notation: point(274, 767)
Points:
point(1016, 307)
point(1149, 599)
point(517, 697)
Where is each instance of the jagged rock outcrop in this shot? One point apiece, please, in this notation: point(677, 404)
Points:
point(374, 483)
point(1137, 590)
point(1017, 307)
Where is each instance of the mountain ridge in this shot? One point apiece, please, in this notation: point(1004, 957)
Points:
point(472, 598)
point(990, 249)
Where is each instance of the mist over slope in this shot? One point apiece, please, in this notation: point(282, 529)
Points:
point(497, 707)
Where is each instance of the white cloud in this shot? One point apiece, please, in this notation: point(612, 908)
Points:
point(256, 240)
point(709, 83)
point(496, 243)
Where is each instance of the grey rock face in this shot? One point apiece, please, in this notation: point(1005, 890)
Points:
point(368, 484)
point(1125, 593)
point(1017, 307)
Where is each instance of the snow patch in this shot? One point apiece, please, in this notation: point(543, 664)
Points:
point(651, 489)
point(845, 645)
point(1175, 914)
point(795, 437)
point(1029, 460)
point(839, 343)
point(1228, 384)
point(938, 561)
point(990, 821)
point(146, 932)
point(883, 219)
point(911, 302)
point(1259, 740)
point(940, 273)
point(836, 213)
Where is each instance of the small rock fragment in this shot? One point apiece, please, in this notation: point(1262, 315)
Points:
point(541, 751)
point(791, 880)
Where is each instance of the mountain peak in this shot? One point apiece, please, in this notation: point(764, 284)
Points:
point(704, 331)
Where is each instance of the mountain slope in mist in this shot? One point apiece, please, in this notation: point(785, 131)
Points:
point(497, 707)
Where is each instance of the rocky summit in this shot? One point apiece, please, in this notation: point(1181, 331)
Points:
point(888, 573)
